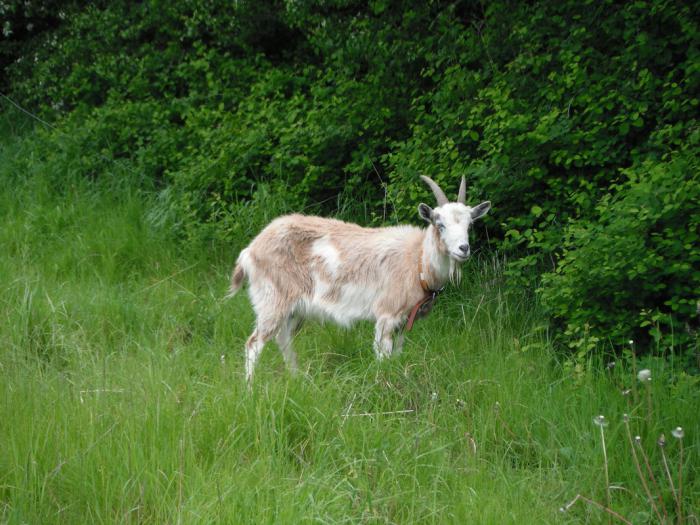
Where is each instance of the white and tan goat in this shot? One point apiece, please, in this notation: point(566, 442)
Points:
point(301, 266)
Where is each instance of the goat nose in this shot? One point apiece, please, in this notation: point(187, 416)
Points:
point(464, 248)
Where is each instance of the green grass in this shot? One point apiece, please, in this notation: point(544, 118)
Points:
point(118, 407)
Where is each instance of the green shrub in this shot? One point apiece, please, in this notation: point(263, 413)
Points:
point(634, 271)
point(540, 106)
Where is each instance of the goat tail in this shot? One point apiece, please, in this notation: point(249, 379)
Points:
point(237, 277)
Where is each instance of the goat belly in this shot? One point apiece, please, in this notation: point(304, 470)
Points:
point(343, 304)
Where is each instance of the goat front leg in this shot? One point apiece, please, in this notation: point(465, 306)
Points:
point(384, 336)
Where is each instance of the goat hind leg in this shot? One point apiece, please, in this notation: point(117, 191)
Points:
point(272, 312)
point(284, 341)
point(253, 349)
point(398, 344)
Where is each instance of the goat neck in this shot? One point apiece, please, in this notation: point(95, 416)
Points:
point(436, 264)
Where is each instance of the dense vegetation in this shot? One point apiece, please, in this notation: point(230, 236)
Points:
point(555, 111)
point(577, 119)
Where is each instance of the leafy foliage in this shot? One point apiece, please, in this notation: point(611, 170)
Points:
point(642, 249)
point(558, 112)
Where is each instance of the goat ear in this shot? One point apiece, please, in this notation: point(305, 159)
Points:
point(480, 210)
point(426, 212)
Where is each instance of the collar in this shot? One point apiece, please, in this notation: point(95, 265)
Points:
point(424, 305)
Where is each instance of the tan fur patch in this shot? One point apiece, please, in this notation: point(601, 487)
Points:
point(384, 258)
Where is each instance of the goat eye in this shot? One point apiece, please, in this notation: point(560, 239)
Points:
point(441, 226)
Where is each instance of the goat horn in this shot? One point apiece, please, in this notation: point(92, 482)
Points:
point(439, 194)
point(462, 197)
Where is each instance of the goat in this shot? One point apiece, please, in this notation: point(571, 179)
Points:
point(304, 266)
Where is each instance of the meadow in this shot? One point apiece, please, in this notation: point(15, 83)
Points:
point(123, 396)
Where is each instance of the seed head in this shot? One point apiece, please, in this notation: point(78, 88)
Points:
point(644, 375)
point(662, 441)
point(631, 342)
point(433, 396)
point(626, 392)
point(677, 433)
point(610, 365)
point(625, 417)
point(638, 440)
point(600, 421)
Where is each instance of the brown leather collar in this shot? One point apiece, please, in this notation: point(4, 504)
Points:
point(424, 304)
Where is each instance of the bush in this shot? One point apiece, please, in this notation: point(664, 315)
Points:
point(540, 106)
point(634, 271)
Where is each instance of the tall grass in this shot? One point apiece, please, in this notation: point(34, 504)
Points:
point(123, 398)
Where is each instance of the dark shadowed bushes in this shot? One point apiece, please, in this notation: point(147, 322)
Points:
point(639, 250)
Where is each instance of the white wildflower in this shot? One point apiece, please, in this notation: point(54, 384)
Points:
point(644, 375)
point(600, 421)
